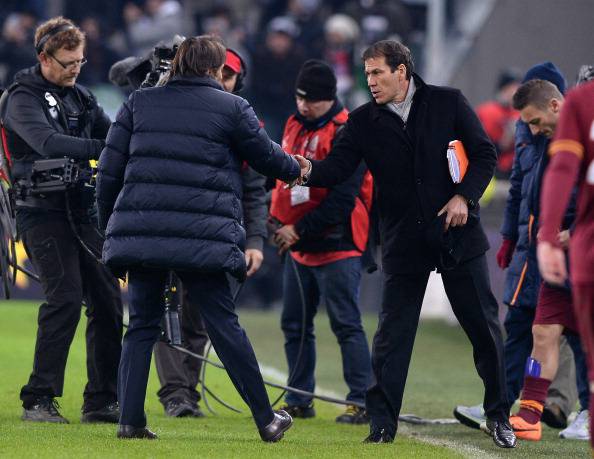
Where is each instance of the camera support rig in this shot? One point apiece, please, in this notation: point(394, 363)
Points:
point(47, 176)
point(52, 175)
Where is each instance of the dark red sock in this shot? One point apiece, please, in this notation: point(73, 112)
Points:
point(534, 395)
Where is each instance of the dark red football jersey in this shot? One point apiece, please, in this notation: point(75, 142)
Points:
point(573, 150)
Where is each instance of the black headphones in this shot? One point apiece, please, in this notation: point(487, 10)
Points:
point(49, 34)
point(242, 73)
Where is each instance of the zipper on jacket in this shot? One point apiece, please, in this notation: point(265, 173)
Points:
point(525, 267)
point(519, 287)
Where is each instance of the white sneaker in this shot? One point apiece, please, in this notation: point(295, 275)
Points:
point(471, 416)
point(579, 428)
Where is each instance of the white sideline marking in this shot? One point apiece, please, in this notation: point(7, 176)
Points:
point(467, 451)
point(470, 452)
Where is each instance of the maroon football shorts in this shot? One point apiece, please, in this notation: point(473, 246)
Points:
point(555, 307)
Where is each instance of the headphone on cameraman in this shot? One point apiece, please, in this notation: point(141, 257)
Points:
point(49, 34)
point(242, 72)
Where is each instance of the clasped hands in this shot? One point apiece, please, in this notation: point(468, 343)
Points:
point(285, 237)
point(305, 165)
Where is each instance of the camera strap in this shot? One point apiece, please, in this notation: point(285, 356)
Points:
point(73, 121)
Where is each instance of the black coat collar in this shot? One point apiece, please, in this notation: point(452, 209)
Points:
point(383, 116)
point(192, 80)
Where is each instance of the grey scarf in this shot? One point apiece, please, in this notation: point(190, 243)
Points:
point(402, 109)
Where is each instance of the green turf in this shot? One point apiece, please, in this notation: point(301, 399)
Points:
point(441, 375)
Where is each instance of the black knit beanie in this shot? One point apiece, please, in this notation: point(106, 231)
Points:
point(316, 81)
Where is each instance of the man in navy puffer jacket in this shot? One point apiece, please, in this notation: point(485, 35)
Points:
point(169, 198)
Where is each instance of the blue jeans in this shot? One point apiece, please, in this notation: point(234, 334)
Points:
point(338, 282)
point(211, 291)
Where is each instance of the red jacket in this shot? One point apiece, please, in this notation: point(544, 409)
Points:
point(343, 224)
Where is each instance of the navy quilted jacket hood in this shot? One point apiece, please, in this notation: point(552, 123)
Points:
point(169, 186)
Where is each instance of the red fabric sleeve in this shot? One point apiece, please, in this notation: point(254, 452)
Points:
point(558, 183)
point(567, 150)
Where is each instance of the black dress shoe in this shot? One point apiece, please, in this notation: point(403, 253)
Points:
point(276, 429)
point(125, 431)
point(379, 436)
point(109, 414)
point(502, 433)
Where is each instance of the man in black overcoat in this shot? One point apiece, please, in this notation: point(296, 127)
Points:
point(426, 222)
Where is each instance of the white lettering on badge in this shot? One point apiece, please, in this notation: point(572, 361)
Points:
point(299, 195)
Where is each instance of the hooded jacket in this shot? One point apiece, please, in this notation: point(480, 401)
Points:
point(42, 121)
point(169, 184)
point(520, 224)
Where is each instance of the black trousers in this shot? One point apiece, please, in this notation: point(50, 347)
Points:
point(211, 290)
point(179, 373)
point(68, 275)
point(469, 291)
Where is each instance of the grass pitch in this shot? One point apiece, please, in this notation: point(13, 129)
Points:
point(441, 376)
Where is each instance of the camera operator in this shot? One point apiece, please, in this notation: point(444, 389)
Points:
point(172, 161)
point(179, 373)
point(48, 116)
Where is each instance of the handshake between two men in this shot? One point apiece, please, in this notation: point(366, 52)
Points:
point(305, 165)
point(286, 235)
point(456, 209)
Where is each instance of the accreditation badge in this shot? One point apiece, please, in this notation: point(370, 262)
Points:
point(299, 195)
point(52, 104)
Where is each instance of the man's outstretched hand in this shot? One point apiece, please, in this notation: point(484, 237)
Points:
point(305, 165)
